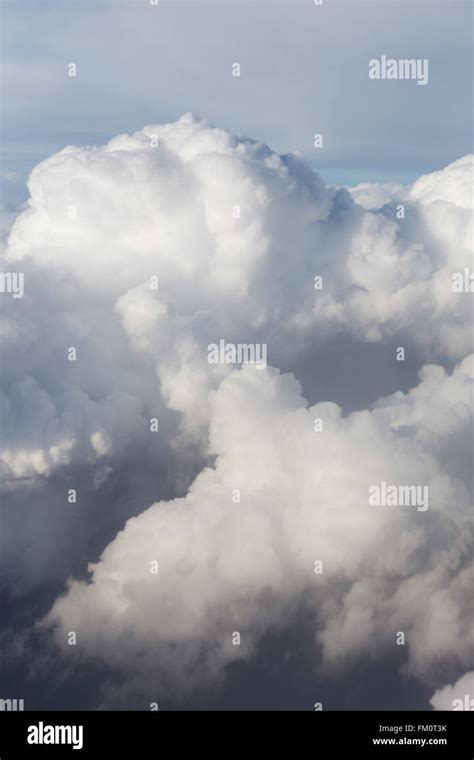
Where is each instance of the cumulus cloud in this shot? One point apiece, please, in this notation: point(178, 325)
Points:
point(239, 550)
point(459, 696)
point(452, 185)
point(236, 235)
point(139, 255)
point(374, 195)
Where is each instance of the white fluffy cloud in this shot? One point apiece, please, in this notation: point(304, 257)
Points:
point(163, 203)
point(227, 565)
point(452, 185)
point(374, 195)
point(235, 235)
point(459, 696)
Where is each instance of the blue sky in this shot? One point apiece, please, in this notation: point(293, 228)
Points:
point(303, 70)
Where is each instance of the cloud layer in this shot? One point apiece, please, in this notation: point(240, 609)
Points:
point(138, 255)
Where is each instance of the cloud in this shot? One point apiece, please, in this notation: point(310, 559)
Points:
point(139, 255)
point(374, 195)
point(459, 696)
point(450, 185)
point(240, 549)
point(235, 234)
